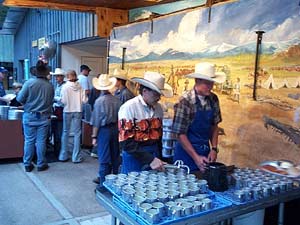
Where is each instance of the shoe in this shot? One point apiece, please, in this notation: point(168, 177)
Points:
point(96, 180)
point(94, 155)
point(63, 160)
point(43, 168)
point(29, 168)
point(100, 189)
point(79, 160)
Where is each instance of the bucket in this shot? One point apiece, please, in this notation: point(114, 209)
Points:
point(252, 218)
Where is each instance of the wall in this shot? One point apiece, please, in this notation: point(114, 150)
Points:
point(251, 131)
point(59, 26)
point(6, 48)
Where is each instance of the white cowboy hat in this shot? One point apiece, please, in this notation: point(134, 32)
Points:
point(155, 81)
point(120, 74)
point(104, 82)
point(207, 71)
point(58, 72)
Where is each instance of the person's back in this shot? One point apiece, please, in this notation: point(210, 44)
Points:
point(36, 95)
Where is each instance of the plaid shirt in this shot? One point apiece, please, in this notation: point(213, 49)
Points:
point(185, 110)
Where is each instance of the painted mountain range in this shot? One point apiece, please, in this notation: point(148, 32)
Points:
point(217, 51)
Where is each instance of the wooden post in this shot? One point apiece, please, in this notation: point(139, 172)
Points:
point(108, 17)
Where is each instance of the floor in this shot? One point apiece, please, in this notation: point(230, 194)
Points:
point(64, 194)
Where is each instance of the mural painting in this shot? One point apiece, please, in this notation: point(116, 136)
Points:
point(252, 130)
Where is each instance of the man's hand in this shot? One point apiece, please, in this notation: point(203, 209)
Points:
point(212, 156)
point(201, 162)
point(157, 164)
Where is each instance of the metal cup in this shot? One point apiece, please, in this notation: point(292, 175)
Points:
point(206, 204)
point(109, 179)
point(197, 206)
point(267, 190)
point(152, 216)
point(191, 198)
point(202, 184)
point(137, 201)
point(275, 189)
point(187, 208)
point(160, 207)
point(282, 186)
point(239, 196)
point(201, 196)
point(176, 212)
point(143, 208)
point(169, 206)
point(257, 193)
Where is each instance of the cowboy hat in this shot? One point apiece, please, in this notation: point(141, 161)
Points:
point(120, 74)
point(207, 71)
point(155, 81)
point(104, 82)
point(42, 69)
point(58, 72)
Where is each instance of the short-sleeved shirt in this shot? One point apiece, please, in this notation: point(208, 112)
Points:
point(124, 94)
point(84, 82)
point(36, 95)
point(105, 111)
point(185, 110)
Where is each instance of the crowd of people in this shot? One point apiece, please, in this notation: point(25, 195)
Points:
point(126, 129)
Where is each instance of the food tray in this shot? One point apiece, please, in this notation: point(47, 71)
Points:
point(218, 203)
point(281, 168)
point(229, 195)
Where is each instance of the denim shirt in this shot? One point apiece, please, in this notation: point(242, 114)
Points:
point(36, 95)
point(2, 93)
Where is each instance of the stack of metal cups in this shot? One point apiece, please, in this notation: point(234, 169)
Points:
point(169, 139)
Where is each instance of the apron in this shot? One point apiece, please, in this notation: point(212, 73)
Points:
point(130, 163)
point(199, 134)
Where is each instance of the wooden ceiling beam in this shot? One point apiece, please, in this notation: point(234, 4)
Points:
point(108, 18)
point(49, 5)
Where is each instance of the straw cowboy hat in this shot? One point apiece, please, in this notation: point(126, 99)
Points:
point(104, 82)
point(156, 82)
point(58, 72)
point(120, 74)
point(207, 71)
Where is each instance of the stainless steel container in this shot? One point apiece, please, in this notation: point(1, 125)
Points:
point(257, 193)
point(152, 216)
point(206, 204)
point(176, 212)
point(110, 178)
point(187, 208)
point(143, 208)
point(169, 206)
point(197, 206)
point(160, 207)
point(137, 201)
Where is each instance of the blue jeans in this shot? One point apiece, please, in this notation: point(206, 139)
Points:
point(35, 132)
point(108, 151)
point(71, 119)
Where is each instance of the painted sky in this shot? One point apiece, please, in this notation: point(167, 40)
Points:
point(232, 24)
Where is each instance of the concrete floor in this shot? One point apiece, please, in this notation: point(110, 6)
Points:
point(64, 194)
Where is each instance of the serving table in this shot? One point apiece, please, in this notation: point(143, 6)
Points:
point(106, 200)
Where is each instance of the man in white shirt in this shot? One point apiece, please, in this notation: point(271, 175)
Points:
point(84, 82)
point(140, 124)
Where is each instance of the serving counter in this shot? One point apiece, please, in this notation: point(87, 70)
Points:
point(12, 141)
point(106, 200)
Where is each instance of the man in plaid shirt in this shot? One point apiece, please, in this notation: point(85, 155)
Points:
point(196, 119)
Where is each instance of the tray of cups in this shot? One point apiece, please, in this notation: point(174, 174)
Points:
point(151, 197)
point(172, 211)
point(254, 184)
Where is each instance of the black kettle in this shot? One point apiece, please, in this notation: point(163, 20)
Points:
point(216, 176)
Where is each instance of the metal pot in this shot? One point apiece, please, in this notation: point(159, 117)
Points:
point(216, 176)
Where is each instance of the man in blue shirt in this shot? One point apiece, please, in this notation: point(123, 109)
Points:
point(37, 97)
point(3, 71)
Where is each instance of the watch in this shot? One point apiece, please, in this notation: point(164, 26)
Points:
point(215, 149)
